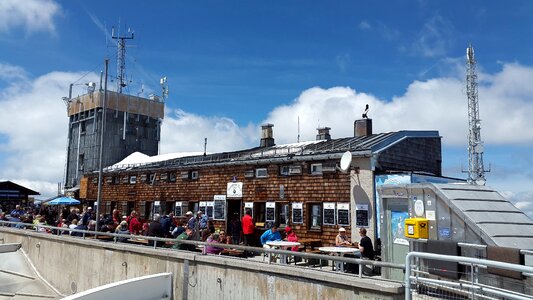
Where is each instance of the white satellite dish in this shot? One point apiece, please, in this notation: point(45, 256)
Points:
point(346, 160)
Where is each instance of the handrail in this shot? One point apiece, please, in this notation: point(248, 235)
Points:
point(85, 233)
point(459, 259)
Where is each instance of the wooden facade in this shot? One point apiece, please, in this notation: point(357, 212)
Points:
point(302, 188)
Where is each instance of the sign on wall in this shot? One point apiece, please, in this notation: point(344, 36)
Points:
point(177, 209)
point(297, 213)
point(343, 214)
point(271, 211)
point(201, 206)
point(219, 207)
point(250, 206)
point(209, 209)
point(361, 215)
point(329, 213)
point(234, 190)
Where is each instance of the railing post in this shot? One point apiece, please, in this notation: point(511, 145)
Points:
point(408, 276)
point(472, 280)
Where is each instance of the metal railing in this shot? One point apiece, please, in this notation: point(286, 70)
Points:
point(469, 289)
point(198, 245)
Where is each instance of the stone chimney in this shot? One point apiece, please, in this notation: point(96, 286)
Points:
point(323, 134)
point(267, 137)
point(362, 127)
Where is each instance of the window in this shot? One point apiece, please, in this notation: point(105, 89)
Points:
point(315, 216)
point(81, 160)
point(115, 180)
point(249, 174)
point(133, 179)
point(284, 170)
point(295, 170)
point(194, 175)
point(150, 178)
point(82, 127)
point(172, 176)
point(259, 214)
point(261, 173)
point(283, 213)
point(316, 169)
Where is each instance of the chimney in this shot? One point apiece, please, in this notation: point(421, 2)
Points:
point(362, 127)
point(267, 137)
point(323, 134)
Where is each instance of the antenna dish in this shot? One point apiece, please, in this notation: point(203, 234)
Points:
point(346, 160)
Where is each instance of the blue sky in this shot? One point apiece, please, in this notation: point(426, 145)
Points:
point(233, 65)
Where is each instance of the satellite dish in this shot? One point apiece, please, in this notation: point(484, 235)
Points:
point(346, 160)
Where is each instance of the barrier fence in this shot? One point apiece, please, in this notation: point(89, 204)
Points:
point(310, 260)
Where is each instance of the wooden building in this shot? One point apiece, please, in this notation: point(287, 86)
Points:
point(299, 184)
point(12, 194)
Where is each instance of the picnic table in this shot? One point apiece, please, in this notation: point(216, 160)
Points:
point(341, 251)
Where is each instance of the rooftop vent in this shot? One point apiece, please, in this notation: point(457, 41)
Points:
point(362, 127)
point(323, 134)
point(267, 137)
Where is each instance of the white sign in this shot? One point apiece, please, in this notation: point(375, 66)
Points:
point(361, 207)
point(297, 205)
point(210, 203)
point(219, 197)
point(430, 215)
point(248, 204)
point(271, 204)
point(157, 203)
point(419, 208)
point(203, 204)
point(178, 203)
point(343, 206)
point(329, 205)
point(234, 190)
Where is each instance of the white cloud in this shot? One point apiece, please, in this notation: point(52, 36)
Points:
point(433, 39)
point(364, 25)
point(32, 15)
point(33, 120)
point(522, 200)
point(9, 72)
point(182, 131)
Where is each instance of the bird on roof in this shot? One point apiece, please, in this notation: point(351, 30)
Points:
point(365, 116)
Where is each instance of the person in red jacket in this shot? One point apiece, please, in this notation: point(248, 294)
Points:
point(135, 225)
point(248, 227)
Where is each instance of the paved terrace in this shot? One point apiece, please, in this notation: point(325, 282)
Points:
point(72, 264)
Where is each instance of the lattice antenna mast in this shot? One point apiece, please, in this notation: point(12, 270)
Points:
point(476, 170)
point(121, 56)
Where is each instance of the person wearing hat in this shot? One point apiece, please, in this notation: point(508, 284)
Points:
point(122, 229)
point(342, 239)
point(202, 219)
point(291, 237)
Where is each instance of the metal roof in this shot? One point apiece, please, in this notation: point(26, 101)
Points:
point(485, 209)
point(311, 150)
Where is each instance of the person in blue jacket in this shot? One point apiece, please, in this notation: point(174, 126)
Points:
point(270, 235)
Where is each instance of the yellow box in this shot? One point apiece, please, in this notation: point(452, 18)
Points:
point(416, 228)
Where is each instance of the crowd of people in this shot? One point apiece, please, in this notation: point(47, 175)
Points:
point(196, 227)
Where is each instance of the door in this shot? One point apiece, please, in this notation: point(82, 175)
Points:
point(233, 211)
point(394, 244)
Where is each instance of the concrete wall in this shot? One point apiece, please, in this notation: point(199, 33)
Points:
point(74, 264)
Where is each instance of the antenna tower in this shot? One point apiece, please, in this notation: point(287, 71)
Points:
point(121, 56)
point(476, 170)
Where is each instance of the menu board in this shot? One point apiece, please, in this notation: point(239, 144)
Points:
point(329, 214)
point(156, 208)
point(297, 213)
point(270, 211)
point(343, 214)
point(249, 206)
point(361, 216)
point(219, 210)
point(177, 209)
point(209, 209)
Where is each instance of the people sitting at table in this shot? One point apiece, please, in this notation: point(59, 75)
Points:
point(224, 238)
point(208, 230)
point(365, 245)
point(215, 239)
point(179, 229)
point(270, 235)
point(135, 225)
point(342, 239)
point(186, 235)
point(155, 229)
point(291, 237)
point(122, 229)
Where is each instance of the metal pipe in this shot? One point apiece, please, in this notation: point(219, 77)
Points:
point(100, 155)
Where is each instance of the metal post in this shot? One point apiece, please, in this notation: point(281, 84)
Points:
point(100, 177)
